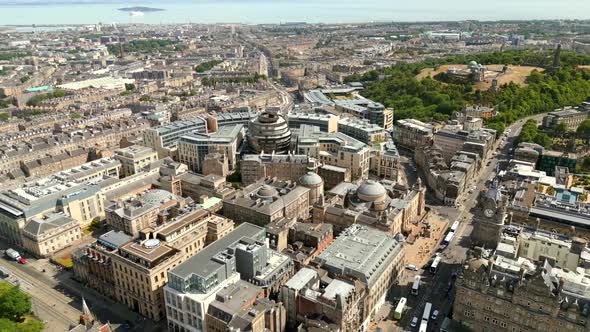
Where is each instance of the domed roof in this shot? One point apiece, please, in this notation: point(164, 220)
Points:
point(473, 63)
point(267, 191)
point(310, 179)
point(157, 197)
point(371, 191)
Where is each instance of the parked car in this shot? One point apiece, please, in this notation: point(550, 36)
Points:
point(15, 255)
point(414, 322)
point(411, 267)
point(434, 315)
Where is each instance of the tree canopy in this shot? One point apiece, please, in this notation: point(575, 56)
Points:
point(428, 99)
point(583, 130)
point(14, 304)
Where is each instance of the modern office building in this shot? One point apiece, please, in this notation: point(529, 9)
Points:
point(327, 122)
point(193, 148)
point(194, 284)
point(362, 130)
point(269, 133)
point(164, 139)
point(549, 160)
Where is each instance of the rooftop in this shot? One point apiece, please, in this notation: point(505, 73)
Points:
point(360, 251)
point(203, 263)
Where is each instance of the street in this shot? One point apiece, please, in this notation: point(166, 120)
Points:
point(437, 288)
point(57, 298)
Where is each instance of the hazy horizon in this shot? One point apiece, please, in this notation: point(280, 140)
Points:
point(278, 11)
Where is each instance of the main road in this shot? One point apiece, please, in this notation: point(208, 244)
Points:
point(436, 288)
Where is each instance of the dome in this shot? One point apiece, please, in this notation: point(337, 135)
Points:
point(371, 191)
point(157, 197)
point(473, 64)
point(310, 179)
point(267, 191)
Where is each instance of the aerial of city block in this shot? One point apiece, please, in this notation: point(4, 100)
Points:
point(308, 177)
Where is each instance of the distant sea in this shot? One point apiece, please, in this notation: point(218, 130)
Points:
point(64, 12)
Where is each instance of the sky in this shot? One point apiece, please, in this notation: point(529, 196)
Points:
point(303, 10)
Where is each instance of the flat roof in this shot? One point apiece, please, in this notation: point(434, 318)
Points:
point(203, 264)
point(360, 251)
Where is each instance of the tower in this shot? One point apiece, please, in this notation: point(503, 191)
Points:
point(489, 218)
point(556, 56)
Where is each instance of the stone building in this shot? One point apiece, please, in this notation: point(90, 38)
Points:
point(134, 158)
point(268, 200)
point(372, 257)
point(93, 265)
point(315, 184)
point(47, 234)
point(447, 181)
point(289, 167)
point(509, 292)
point(390, 208)
point(452, 140)
point(233, 309)
point(134, 214)
point(489, 218)
point(410, 133)
point(570, 117)
point(300, 241)
point(196, 185)
point(215, 163)
point(335, 149)
point(141, 266)
point(310, 300)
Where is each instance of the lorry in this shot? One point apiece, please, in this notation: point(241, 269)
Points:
point(15, 255)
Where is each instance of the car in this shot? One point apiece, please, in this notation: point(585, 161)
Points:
point(434, 315)
point(414, 322)
point(411, 267)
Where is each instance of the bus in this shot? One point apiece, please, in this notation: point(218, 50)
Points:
point(416, 285)
point(426, 314)
point(423, 326)
point(448, 238)
point(434, 266)
point(400, 308)
point(455, 226)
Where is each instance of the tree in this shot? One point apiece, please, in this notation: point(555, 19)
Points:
point(543, 140)
point(583, 131)
point(560, 129)
point(14, 304)
point(6, 325)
